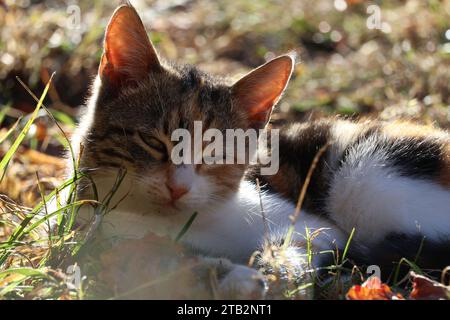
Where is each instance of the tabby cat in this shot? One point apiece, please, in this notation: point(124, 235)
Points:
point(389, 181)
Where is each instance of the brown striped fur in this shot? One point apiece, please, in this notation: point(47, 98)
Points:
point(399, 129)
point(299, 143)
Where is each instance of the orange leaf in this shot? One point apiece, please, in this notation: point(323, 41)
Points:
point(372, 289)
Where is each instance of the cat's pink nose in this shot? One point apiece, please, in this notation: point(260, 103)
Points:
point(176, 191)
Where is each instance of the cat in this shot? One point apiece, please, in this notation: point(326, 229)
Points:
point(389, 181)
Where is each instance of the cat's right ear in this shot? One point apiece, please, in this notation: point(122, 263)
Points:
point(128, 55)
point(260, 90)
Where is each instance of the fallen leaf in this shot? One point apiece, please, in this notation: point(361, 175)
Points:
point(153, 268)
point(427, 289)
point(372, 289)
point(36, 157)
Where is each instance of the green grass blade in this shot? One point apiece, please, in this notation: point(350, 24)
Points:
point(29, 272)
point(7, 134)
point(186, 227)
point(3, 113)
point(347, 245)
point(63, 118)
point(52, 117)
point(22, 231)
point(24, 274)
point(50, 215)
point(19, 231)
point(411, 264)
point(39, 207)
point(62, 225)
point(23, 133)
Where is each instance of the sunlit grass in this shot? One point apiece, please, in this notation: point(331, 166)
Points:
point(5, 160)
point(38, 224)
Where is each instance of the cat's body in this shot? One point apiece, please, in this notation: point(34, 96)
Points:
point(391, 189)
point(389, 181)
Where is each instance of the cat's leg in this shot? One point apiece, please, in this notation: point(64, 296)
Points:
point(235, 281)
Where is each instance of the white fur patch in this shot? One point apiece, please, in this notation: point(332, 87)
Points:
point(232, 228)
point(368, 194)
point(236, 228)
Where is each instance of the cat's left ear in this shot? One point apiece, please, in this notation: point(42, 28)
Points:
point(128, 55)
point(260, 90)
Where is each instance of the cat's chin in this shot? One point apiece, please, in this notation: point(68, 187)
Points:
point(168, 209)
point(171, 208)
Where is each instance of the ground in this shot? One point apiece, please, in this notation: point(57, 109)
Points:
point(390, 61)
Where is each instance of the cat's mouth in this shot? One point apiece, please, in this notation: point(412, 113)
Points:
point(173, 204)
point(169, 208)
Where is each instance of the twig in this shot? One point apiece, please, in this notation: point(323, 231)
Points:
point(302, 194)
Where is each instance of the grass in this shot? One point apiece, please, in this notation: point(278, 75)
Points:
point(14, 277)
point(17, 281)
point(5, 160)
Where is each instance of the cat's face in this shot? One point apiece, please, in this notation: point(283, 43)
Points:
point(133, 130)
point(141, 101)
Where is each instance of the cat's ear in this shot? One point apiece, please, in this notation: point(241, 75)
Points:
point(259, 91)
point(128, 55)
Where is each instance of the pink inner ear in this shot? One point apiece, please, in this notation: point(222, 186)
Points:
point(128, 53)
point(261, 89)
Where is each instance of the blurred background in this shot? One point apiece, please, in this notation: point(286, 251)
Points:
point(389, 59)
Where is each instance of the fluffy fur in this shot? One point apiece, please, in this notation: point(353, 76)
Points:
point(389, 181)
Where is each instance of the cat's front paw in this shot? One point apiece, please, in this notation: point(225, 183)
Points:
point(243, 283)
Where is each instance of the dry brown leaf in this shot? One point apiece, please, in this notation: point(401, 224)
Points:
point(36, 157)
point(153, 268)
point(427, 289)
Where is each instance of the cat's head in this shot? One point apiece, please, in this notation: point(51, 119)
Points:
point(140, 100)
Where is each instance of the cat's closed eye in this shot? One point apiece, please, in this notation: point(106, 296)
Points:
point(155, 147)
